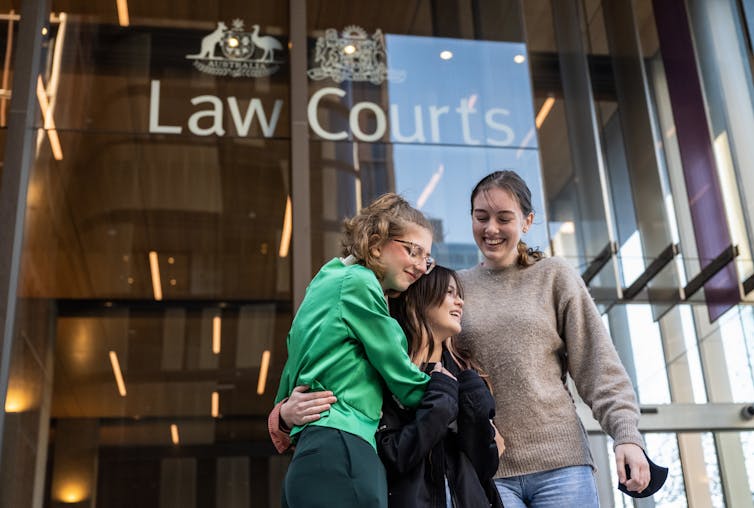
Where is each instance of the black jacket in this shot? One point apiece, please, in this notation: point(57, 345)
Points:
point(448, 435)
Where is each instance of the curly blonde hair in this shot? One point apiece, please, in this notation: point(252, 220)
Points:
point(385, 218)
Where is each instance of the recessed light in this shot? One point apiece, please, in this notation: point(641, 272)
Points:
point(446, 55)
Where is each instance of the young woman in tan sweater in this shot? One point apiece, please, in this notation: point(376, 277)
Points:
point(530, 322)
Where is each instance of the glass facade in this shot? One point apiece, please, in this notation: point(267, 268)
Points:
point(175, 172)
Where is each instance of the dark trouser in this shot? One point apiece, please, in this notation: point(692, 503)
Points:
point(334, 468)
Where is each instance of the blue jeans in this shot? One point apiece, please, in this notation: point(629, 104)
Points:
point(566, 487)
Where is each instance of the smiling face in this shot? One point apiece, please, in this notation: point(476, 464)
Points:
point(497, 224)
point(445, 318)
point(400, 268)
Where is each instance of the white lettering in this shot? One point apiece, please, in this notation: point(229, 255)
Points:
point(395, 126)
point(216, 113)
point(154, 113)
point(492, 124)
point(497, 131)
point(434, 114)
point(255, 106)
point(311, 113)
point(464, 111)
point(379, 116)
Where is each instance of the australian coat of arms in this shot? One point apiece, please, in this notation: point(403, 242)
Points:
point(241, 53)
point(352, 57)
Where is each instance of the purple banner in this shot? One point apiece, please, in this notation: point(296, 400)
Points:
point(697, 157)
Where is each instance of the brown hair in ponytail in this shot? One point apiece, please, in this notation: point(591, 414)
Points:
point(512, 183)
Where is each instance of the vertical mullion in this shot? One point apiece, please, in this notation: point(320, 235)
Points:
point(15, 176)
point(300, 171)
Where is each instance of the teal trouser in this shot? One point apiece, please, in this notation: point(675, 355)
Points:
point(331, 468)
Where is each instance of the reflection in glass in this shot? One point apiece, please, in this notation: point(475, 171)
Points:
point(649, 359)
point(737, 333)
point(713, 469)
point(430, 132)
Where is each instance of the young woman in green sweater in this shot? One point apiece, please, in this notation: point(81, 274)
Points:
point(444, 452)
point(344, 341)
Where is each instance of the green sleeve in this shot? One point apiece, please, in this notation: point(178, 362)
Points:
point(365, 313)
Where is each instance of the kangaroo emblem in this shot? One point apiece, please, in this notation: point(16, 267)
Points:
point(266, 43)
point(210, 41)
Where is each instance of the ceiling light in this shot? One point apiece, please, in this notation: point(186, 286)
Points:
point(174, 437)
point(430, 188)
point(519, 59)
point(72, 492)
point(285, 237)
point(215, 405)
point(122, 6)
point(446, 55)
point(472, 101)
point(349, 49)
point(544, 111)
point(18, 401)
point(263, 368)
point(117, 373)
point(154, 268)
point(216, 329)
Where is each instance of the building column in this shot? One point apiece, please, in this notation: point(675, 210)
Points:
point(25, 371)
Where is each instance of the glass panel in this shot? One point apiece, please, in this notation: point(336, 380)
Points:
point(747, 442)
point(568, 74)
point(692, 357)
point(737, 332)
point(651, 375)
point(721, 42)
point(424, 116)
point(665, 451)
point(156, 260)
point(713, 469)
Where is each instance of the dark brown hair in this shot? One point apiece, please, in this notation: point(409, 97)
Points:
point(512, 183)
point(385, 218)
point(410, 310)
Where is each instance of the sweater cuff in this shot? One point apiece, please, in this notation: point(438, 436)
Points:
point(280, 439)
point(627, 432)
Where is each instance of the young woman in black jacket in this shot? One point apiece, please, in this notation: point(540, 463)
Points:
point(445, 452)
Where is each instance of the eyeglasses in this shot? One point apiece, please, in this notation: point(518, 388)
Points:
point(417, 252)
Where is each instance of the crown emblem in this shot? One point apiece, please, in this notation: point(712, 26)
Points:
point(352, 56)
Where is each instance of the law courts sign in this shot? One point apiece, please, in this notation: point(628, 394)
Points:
point(479, 95)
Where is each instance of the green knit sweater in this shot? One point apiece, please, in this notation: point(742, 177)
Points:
point(528, 327)
point(344, 340)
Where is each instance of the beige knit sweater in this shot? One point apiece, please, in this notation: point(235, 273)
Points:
point(527, 327)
